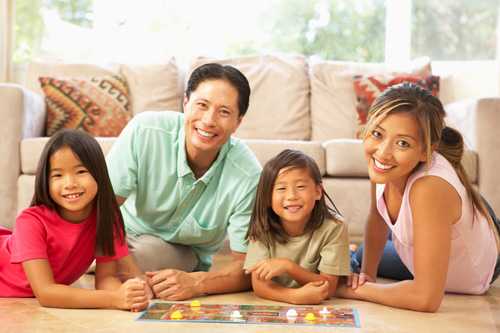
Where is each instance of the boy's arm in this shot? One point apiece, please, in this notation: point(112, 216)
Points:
point(311, 293)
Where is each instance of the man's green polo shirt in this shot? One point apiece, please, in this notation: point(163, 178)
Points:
point(148, 165)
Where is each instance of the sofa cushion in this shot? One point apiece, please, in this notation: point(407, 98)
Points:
point(154, 87)
point(81, 71)
point(31, 150)
point(368, 87)
point(267, 149)
point(333, 101)
point(279, 99)
point(345, 158)
point(99, 105)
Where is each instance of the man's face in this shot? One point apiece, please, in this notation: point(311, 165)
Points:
point(211, 116)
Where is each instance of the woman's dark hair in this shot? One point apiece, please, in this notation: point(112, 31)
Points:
point(265, 225)
point(429, 113)
point(213, 71)
point(87, 150)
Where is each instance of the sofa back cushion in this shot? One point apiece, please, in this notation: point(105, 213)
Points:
point(279, 99)
point(152, 87)
point(36, 70)
point(333, 101)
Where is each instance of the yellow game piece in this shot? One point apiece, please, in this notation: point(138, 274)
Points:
point(195, 304)
point(176, 315)
point(310, 317)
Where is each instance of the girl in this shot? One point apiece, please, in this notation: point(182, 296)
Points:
point(298, 244)
point(442, 230)
point(73, 218)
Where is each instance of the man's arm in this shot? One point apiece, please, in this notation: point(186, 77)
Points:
point(120, 200)
point(175, 285)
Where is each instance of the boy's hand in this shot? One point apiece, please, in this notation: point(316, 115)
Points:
point(269, 268)
point(311, 293)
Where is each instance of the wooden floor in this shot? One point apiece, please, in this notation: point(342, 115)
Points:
point(457, 314)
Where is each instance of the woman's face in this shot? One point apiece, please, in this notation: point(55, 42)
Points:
point(394, 148)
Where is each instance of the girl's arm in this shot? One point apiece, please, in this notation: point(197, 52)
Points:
point(435, 207)
point(375, 238)
point(310, 293)
point(51, 294)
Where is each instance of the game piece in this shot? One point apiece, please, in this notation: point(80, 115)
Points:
point(324, 311)
point(236, 314)
point(291, 313)
point(195, 304)
point(176, 315)
point(310, 317)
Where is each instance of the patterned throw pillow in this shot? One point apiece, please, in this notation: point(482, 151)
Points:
point(99, 105)
point(368, 88)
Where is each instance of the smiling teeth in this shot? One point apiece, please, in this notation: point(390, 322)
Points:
point(205, 134)
point(382, 166)
point(293, 209)
point(73, 196)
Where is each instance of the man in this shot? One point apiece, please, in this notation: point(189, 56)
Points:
point(184, 182)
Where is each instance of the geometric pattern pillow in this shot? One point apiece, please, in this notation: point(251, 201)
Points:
point(368, 87)
point(99, 105)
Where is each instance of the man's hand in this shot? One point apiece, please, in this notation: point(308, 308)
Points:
point(174, 285)
point(269, 268)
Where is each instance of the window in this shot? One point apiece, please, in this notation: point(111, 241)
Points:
point(151, 31)
point(455, 29)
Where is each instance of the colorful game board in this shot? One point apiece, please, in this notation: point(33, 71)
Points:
point(252, 314)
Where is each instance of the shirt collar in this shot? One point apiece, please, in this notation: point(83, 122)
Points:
point(183, 167)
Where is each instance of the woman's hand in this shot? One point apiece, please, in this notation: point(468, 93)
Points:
point(269, 268)
point(357, 280)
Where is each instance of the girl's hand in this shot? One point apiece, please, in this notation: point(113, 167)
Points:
point(132, 295)
point(311, 293)
point(269, 268)
point(354, 280)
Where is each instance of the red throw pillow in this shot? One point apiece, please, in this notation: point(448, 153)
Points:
point(368, 88)
point(99, 105)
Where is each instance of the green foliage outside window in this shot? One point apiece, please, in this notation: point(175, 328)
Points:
point(29, 25)
point(455, 29)
point(341, 30)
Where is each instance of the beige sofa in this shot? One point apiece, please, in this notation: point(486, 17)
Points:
point(296, 102)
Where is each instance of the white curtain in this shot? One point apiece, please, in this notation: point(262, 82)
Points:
point(6, 39)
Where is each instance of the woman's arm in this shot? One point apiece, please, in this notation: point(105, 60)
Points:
point(375, 238)
point(51, 294)
point(436, 206)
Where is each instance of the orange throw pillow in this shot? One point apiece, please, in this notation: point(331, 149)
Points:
point(99, 105)
point(368, 87)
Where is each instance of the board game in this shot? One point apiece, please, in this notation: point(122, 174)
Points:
point(251, 314)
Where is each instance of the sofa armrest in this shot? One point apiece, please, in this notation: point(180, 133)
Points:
point(23, 115)
point(479, 121)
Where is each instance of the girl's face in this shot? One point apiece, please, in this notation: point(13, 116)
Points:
point(71, 185)
point(393, 149)
point(294, 195)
